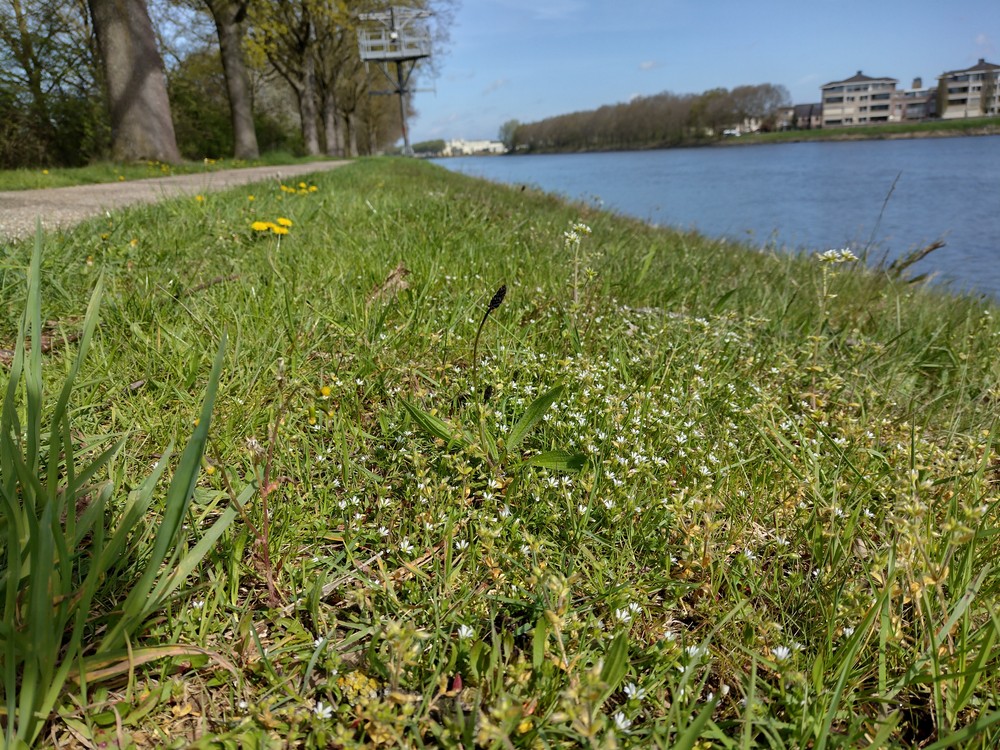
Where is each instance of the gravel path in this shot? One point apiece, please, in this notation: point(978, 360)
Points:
point(65, 206)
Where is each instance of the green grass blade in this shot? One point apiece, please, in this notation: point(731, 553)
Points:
point(558, 461)
point(433, 426)
point(142, 600)
point(535, 411)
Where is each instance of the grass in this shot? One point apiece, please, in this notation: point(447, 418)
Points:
point(887, 130)
point(665, 492)
point(34, 179)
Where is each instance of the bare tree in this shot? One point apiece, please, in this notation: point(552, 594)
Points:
point(141, 127)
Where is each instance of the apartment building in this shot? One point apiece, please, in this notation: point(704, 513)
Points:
point(858, 100)
point(460, 147)
point(971, 92)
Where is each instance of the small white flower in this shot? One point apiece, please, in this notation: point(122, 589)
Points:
point(319, 642)
point(622, 723)
point(462, 544)
point(405, 545)
point(634, 692)
point(465, 632)
point(198, 604)
point(848, 631)
point(780, 653)
point(623, 615)
point(323, 710)
point(695, 652)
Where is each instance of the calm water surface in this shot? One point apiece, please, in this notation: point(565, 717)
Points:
point(799, 195)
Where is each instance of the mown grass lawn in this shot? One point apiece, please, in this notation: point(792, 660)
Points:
point(40, 178)
point(666, 492)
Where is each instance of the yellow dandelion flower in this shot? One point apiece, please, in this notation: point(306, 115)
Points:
point(261, 226)
point(279, 230)
point(284, 222)
point(121, 178)
point(200, 198)
point(45, 171)
point(313, 188)
point(325, 391)
point(250, 198)
point(302, 185)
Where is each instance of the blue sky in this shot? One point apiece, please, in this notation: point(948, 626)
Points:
point(530, 59)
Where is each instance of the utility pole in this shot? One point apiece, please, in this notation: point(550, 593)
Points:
point(394, 37)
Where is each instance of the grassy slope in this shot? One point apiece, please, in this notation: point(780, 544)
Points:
point(975, 125)
point(36, 179)
point(789, 486)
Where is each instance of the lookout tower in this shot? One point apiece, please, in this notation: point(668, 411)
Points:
point(395, 37)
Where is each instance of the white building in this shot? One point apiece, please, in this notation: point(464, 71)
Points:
point(460, 147)
point(971, 92)
point(859, 100)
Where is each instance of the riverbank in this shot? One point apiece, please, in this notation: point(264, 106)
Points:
point(889, 131)
point(496, 469)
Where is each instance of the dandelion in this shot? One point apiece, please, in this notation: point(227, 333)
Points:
point(279, 230)
point(282, 221)
point(323, 710)
point(200, 198)
point(261, 226)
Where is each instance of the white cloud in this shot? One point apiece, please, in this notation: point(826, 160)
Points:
point(985, 44)
point(648, 65)
point(499, 83)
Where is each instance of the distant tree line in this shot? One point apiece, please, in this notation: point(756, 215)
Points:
point(655, 121)
point(166, 79)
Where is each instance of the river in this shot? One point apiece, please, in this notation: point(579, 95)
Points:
point(889, 197)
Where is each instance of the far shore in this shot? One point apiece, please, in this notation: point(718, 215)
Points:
point(890, 132)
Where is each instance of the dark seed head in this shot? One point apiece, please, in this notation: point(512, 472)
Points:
point(498, 297)
point(487, 394)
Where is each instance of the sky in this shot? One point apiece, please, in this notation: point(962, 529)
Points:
point(531, 59)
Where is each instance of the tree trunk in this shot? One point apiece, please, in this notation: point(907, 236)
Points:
point(331, 124)
point(228, 17)
point(141, 127)
point(352, 134)
point(307, 108)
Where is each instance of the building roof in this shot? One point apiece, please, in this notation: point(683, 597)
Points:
point(858, 78)
point(981, 65)
point(807, 110)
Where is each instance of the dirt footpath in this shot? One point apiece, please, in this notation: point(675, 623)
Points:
point(65, 206)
